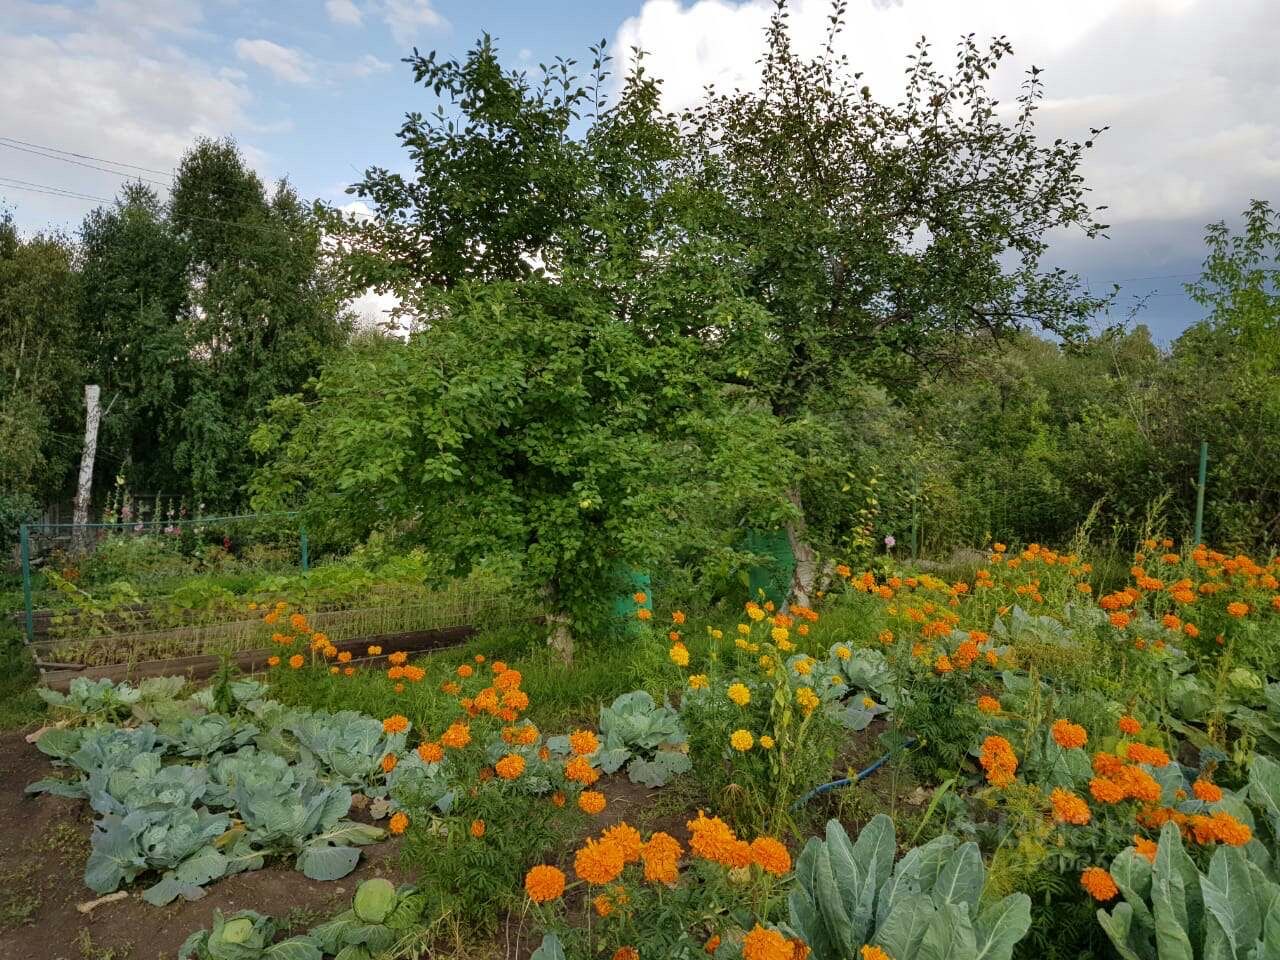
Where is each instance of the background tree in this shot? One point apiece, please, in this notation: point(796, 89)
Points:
point(40, 372)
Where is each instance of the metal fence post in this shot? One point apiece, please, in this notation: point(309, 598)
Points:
point(1204, 464)
point(24, 538)
point(302, 537)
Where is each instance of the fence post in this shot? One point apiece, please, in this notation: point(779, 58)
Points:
point(1204, 463)
point(302, 537)
point(24, 538)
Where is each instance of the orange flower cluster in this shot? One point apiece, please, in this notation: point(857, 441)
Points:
point(543, 883)
point(598, 862)
point(999, 761)
point(661, 856)
point(1099, 884)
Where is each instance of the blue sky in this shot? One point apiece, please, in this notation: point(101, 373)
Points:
point(314, 89)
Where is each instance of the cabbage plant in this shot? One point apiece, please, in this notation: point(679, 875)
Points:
point(380, 915)
point(245, 936)
point(925, 905)
point(637, 732)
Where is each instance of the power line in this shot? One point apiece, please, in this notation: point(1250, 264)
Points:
point(16, 184)
point(85, 156)
point(91, 166)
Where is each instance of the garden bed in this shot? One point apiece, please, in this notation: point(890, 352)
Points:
point(205, 665)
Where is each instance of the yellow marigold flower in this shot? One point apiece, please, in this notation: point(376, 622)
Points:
point(510, 767)
point(333, 670)
point(770, 855)
point(399, 823)
point(698, 681)
point(804, 667)
point(396, 723)
point(741, 740)
point(477, 828)
point(739, 694)
point(583, 743)
point(1068, 808)
point(807, 699)
point(296, 661)
point(764, 944)
point(543, 883)
point(754, 611)
point(598, 862)
point(779, 634)
point(591, 802)
point(766, 742)
point(1099, 884)
point(679, 655)
point(842, 652)
point(374, 651)
point(1069, 735)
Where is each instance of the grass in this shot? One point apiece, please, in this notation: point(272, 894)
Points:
point(20, 706)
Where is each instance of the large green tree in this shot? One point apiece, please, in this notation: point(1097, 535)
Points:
point(552, 409)
point(876, 238)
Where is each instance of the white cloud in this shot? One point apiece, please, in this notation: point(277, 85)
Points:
point(284, 63)
point(409, 18)
point(112, 82)
point(366, 66)
point(1194, 126)
point(344, 12)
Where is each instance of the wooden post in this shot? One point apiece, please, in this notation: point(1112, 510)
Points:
point(84, 486)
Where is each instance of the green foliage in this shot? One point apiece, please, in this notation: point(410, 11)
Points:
point(645, 737)
point(379, 916)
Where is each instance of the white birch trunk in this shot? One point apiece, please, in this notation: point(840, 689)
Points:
point(84, 486)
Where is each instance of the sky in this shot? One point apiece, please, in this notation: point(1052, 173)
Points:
point(315, 90)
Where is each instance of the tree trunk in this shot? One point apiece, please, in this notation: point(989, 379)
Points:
point(84, 487)
point(559, 625)
point(806, 571)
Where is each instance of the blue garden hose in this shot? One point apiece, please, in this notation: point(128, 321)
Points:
point(848, 781)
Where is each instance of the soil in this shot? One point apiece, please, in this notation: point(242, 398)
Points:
point(44, 842)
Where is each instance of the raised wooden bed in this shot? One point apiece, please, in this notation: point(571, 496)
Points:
point(200, 667)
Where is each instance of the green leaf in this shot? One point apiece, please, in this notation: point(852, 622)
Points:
point(1118, 926)
point(323, 862)
point(961, 878)
point(1228, 896)
point(1002, 925)
point(295, 948)
point(549, 949)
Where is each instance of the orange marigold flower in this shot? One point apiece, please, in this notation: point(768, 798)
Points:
point(430, 752)
point(640, 597)
point(1207, 791)
point(644, 613)
point(508, 680)
point(1099, 884)
point(583, 742)
point(1129, 725)
point(661, 855)
point(598, 862)
point(457, 736)
point(677, 616)
point(389, 762)
point(557, 799)
point(1119, 619)
point(344, 656)
point(1229, 830)
point(626, 838)
point(1105, 790)
point(395, 673)
point(1145, 848)
point(764, 944)
point(399, 823)
point(711, 838)
point(771, 856)
point(999, 761)
point(988, 704)
point(591, 802)
point(465, 670)
point(869, 952)
point(1190, 630)
point(296, 661)
point(273, 661)
point(1152, 756)
point(477, 828)
point(399, 658)
point(396, 723)
point(543, 883)
point(1069, 808)
point(626, 953)
point(1238, 609)
point(943, 664)
point(579, 770)
point(510, 767)
point(1106, 764)
point(602, 905)
point(1069, 735)
point(712, 945)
